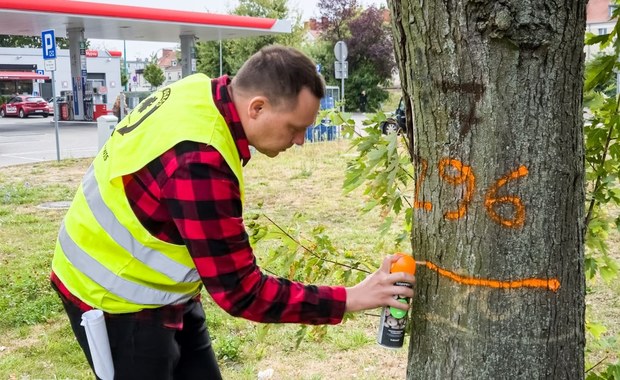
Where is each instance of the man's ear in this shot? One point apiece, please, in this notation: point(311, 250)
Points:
point(256, 106)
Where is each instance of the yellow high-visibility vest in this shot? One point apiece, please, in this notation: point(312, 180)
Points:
point(104, 256)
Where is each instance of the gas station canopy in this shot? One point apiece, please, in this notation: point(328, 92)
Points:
point(124, 22)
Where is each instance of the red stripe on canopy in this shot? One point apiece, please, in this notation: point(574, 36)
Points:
point(138, 13)
point(21, 75)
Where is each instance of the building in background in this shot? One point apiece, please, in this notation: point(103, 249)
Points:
point(167, 59)
point(169, 63)
point(598, 21)
point(135, 76)
point(103, 83)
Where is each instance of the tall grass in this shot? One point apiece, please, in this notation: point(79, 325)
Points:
point(36, 340)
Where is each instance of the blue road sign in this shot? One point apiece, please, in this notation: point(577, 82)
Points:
point(48, 42)
point(41, 72)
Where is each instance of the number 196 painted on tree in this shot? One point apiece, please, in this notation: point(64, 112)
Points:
point(456, 173)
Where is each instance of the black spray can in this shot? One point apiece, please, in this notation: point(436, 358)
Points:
point(391, 332)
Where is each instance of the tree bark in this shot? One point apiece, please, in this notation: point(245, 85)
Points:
point(496, 90)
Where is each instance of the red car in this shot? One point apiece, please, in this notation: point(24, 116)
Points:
point(24, 106)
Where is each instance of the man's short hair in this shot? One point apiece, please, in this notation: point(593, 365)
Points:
point(279, 73)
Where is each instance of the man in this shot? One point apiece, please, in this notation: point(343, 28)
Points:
point(159, 214)
point(363, 101)
point(116, 108)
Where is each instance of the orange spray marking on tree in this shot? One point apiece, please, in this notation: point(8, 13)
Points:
point(464, 175)
point(542, 283)
point(393, 320)
point(492, 199)
point(427, 206)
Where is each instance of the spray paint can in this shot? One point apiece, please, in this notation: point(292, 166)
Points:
point(393, 321)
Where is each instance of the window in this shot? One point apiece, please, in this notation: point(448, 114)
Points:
point(602, 31)
point(174, 63)
point(612, 8)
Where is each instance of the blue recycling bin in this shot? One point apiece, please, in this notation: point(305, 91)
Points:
point(326, 132)
point(310, 134)
point(322, 132)
point(327, 103)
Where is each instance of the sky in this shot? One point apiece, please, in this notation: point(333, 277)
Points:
point(308, 9)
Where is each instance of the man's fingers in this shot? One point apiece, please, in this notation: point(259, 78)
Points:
point(398, 305)
point(387, 263)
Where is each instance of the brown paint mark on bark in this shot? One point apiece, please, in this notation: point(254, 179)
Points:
point(466, 119)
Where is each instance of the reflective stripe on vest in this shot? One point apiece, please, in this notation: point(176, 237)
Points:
point(130, 291)
point(121, 235)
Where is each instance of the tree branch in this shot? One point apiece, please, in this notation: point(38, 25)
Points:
point(311, 251)
point(603, 159)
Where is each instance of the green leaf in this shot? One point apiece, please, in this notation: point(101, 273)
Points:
point(594, 376)
point(591, 267)
point(376, 155)
point(593, 39)
point(596, 329)
point(609, 271)
point(599, 71)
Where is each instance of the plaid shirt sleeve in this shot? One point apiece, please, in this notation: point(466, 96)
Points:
point(203, 198)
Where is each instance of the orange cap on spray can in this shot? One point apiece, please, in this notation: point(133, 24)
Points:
point(405, 263)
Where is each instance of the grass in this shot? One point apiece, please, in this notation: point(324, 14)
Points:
point(35, 338)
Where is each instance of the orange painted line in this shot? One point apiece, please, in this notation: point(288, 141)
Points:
point(552, 284)
point(427, 206)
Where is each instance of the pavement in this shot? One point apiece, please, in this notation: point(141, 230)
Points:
point(33, 139)
point(358, 118)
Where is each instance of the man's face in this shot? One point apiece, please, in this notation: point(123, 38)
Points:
point(272, 130)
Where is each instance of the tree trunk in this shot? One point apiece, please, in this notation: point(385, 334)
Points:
point(496, 90)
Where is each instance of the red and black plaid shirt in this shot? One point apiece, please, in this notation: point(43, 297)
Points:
point(189, 195)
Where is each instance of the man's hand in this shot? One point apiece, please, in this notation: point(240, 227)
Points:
point(378, 289)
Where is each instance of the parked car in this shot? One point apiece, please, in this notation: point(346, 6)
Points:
point(24, 106)
point(397, 123)
point(50, 106)
point(50, 103)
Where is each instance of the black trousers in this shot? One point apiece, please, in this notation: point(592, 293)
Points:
point(145, 349)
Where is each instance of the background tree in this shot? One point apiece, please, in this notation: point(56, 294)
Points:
point(602, 141)
point(208, 58)
point(335, 15)
point(496, 89)
point(31, 42)
point(124, 76)
point(154, 75)
point(236, 52)
point(371, 55)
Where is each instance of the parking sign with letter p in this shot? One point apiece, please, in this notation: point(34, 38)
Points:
point(48, 42)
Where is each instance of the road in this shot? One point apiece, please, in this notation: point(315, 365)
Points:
point(33, 140)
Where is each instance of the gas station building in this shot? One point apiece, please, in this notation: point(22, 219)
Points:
point(90, 77)
point(103, 82)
